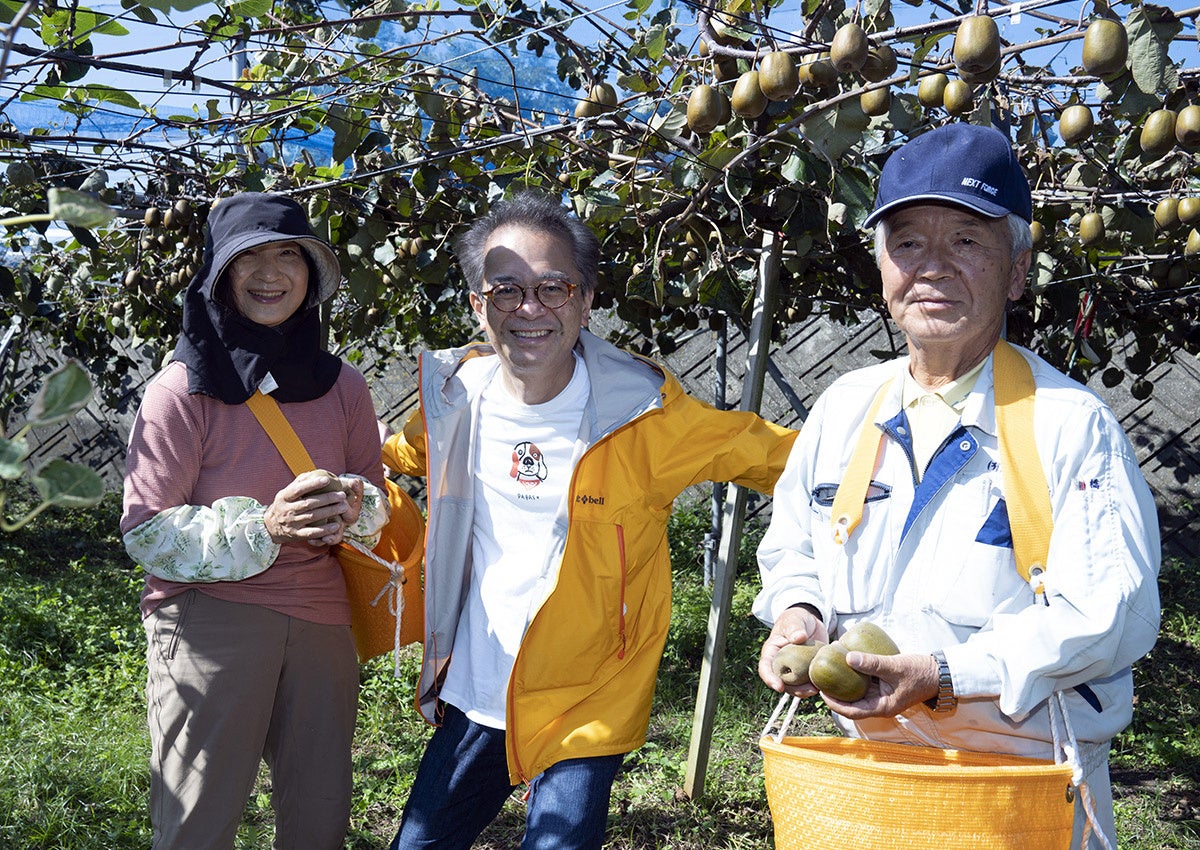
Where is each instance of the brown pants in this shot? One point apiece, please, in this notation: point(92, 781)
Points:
point(229, 684)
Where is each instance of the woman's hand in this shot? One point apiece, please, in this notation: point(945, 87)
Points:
point(313, 510)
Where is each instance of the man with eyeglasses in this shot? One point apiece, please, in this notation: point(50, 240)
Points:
point(553, 460)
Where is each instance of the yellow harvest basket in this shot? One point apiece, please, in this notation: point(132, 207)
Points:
point(872, 795)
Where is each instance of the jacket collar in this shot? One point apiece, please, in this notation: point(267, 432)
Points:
point(631, 385)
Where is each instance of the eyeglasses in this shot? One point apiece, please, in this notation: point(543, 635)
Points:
point(508, 297)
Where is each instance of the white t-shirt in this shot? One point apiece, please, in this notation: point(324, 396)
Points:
point(523, 464)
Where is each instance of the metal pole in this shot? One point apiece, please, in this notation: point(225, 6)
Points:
point(735, 503)
point(718, 487)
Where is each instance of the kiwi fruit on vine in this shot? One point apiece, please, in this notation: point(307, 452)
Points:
point(958, 97)
point(931, 89)
point(1105, 48)
point(1189, 210)
point(748, 99)
point(977, 45)
point(1075, 124)
point(984, 76)
point(876, 101)
point(1158, 133)
point(707, 109)
point(818, 74)
point(1038, 232)
point(725, 69)
point(604, 94)
point(153, 217)
point(1091, 228)
point(778, 76)
point(1187, 126)
point(1166, 213)
point(20, 173)
point(1192, 247)
point(848, 50)
point(879, 64)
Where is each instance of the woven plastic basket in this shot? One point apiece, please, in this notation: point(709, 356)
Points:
point(871, 795)
point(367, 582)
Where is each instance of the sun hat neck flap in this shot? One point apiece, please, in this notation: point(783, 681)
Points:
point(228, 355)
point(967, 165)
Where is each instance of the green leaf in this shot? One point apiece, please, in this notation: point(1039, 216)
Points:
point(251, 8)
point(65, 392)
point(636, 83)
point(79, 208)
point(12, 457)
point(168, 5)
point(1153, 71)
point(348, 131)
point(854, 188)
point(108, 94)
point(72, 485)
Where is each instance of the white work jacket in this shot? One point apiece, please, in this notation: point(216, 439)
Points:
point(932, 562)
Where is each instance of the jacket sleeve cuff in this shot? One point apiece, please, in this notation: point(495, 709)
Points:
point(975, 672)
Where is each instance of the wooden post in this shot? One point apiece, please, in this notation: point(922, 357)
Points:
point(731, 535)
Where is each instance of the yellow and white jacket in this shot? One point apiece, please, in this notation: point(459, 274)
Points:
point(584, 677)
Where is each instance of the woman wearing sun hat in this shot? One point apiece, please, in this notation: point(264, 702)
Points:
point(249, 648)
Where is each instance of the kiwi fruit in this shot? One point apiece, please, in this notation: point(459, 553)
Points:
point(830, 674)
point(707, 109)
point(977, 45)
point(1091, 228)
point(876, 101)
point(1105, 48)
point(335, 485)
point(778, 76)
point(1166, 213)
point(1187, 126)
point(1075, 124)
point(1189, 210)
point(865, 636)
point(1158, 133)
point(931, 89)
point(879, 64)
point(958, 97)
point(849, 48)
point(818, 74)
point(1192, 247)
point(791, 662)
point(748, 99)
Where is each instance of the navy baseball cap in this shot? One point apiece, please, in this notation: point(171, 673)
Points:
point(963, 164)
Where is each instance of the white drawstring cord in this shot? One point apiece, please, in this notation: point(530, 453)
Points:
point(395, 582)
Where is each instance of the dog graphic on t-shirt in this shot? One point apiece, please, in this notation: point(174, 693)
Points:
point(528, 468)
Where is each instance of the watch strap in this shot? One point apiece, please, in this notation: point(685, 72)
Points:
point(945, 699)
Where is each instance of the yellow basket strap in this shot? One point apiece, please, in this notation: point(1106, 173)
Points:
point(1027, 494)
point(281, 432)
point(852, 492)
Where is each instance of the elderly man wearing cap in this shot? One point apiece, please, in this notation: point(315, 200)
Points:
point(896, 502)
point(249, 649)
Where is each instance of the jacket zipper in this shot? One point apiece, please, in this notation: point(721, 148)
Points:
point(621, 599)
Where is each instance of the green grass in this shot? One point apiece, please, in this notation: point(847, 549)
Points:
point(73, 741)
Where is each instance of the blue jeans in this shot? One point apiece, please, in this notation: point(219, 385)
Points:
point(462, 784)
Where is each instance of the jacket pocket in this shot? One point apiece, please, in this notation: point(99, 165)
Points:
point(582, 627)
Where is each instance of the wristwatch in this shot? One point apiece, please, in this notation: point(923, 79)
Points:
point(945, 699)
